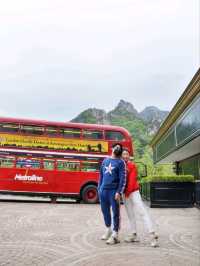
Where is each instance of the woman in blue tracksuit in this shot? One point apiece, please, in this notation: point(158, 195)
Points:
point(111, 186)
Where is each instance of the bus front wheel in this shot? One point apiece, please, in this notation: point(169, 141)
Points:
point(89, 194)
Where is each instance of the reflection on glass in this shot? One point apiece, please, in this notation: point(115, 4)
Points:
point(114, 135)
point(68, 165)
point(90, 166)
point(28, 163)
point(9, 127)
point(33, 130)
point(51, 131)
point(70, 132)
point(7, 162)
point(48, 164)
point(166, 145)
point(189, 124)
point(90, 134)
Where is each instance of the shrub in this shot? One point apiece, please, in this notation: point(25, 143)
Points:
point(168, 178)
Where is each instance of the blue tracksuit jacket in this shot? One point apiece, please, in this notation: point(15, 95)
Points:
point(112, 175)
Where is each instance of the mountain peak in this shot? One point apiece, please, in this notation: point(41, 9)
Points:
point(126, 106)
point(154, 117)
point(91, 116)
point(151, 113)
point(125, 109)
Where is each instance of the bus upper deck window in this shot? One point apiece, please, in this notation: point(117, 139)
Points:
point(51, 131)
point(7, 127)
point(70, 133)
point(34, 130)
point(7, 162)
point(93, 134)
point(114, 135)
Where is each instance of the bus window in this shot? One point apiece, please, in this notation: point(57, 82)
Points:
point(48, 164)
point(90, 134)
point(68, 166)
point(70, 132)
point(13, 128)
point(51, 131)
point(35, 130)
point(7, 162)
point(114, 135)
point(28, 163)
point(90, 166)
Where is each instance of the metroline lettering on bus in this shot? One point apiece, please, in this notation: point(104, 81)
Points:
point(28, 178)
point(59, 159)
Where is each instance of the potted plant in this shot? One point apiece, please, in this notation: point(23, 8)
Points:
point(168, 190)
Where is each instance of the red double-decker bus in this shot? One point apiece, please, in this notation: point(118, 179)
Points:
point(55, 159)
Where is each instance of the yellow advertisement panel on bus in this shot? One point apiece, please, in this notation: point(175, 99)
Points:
point(8, 140)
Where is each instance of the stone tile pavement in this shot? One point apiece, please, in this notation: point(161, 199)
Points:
point(68, 234)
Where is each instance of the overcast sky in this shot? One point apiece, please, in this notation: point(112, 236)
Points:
point(59, 57)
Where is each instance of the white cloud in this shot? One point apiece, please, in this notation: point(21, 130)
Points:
point(59, 57)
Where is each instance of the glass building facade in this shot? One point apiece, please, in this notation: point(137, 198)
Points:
point(178, 139)
point(183, 131)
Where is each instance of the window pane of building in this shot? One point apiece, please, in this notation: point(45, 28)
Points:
point(34, 130)
point(166, 145)
point(189, 124)
point(13, 128)
point(68, 166)
point(90, 134)
point(7, 162)
point(90, 166)
point(114, 135)
point(190, 166)
point(70, 133)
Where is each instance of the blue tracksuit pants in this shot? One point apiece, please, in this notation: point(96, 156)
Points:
point(107, 200)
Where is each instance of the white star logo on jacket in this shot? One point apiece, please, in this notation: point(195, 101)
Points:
point(109, 169)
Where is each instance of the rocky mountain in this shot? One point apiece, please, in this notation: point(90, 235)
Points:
point(153, 117)
point(123, 109)
point(151, 113)
point(142, 125)
point(92, 116)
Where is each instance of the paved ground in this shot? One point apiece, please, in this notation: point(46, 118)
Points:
point(68, 234)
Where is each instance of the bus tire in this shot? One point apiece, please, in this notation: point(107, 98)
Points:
point(89, 194)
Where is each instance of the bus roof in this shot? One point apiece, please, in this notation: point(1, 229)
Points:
point(62, 124)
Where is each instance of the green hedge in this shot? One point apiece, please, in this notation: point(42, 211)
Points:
point(168, 178)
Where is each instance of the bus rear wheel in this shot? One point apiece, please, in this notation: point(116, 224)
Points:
point(89, 194)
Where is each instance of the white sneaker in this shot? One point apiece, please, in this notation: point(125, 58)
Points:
point(131, 238)
point(113, 240)
point(154, 240)
point(107, 235)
